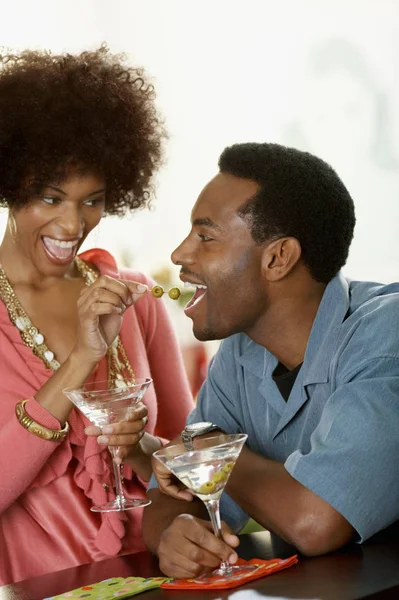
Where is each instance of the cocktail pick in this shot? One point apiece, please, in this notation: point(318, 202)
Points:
point(158, 291)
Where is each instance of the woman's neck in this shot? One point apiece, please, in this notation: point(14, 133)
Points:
point(20, 270)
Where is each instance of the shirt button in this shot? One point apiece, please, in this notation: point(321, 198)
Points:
point(106, 487)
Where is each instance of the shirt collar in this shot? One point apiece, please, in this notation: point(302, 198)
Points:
point(331, 313)
point(323, 337)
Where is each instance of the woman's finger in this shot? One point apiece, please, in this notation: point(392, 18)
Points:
point(102, 295)
point(136, 289)
point(128, 291)
point(128, 439)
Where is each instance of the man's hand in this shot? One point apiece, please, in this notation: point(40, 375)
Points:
point(168, 483)
point(188, 547)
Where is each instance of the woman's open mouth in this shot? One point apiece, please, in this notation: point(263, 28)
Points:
point(60, 251)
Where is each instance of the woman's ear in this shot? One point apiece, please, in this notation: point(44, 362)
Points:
point(280, 257)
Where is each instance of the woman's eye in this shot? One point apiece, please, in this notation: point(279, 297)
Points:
point(95, 202)
point(205, 238)
point(50, 200)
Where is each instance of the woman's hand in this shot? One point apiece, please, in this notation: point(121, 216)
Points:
point(126, 435)
point(100, 311)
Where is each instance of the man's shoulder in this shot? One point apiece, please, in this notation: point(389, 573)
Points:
point(371, 329)
point(374, 305)
point(366, 296)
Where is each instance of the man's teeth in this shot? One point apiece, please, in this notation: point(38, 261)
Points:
point(188, 284)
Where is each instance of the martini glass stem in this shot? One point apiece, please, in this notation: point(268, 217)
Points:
point(120, 498)
point(214, 513)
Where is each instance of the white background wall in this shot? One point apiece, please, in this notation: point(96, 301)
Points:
point(229, 71)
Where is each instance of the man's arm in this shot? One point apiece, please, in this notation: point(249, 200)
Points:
point(266, 491)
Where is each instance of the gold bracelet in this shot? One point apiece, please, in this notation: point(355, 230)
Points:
point(51, 435)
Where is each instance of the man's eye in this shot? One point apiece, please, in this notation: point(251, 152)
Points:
point(205, 238)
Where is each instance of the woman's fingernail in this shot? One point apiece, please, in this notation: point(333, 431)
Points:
point(108, 429)
point(102, 439)
point(141, 288)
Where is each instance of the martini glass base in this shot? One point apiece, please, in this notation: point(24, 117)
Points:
point(119, 505)
point(231, 571)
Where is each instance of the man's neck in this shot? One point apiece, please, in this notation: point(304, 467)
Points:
point(284, 329)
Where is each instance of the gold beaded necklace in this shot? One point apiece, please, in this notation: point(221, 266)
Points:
point(120, 373)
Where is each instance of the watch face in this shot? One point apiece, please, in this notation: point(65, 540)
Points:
point(198, 426)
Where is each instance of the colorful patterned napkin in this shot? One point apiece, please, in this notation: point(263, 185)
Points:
point(120, 587)
point(112, 589)
point(218, 582)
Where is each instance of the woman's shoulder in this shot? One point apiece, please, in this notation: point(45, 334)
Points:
point(107, 265)
point(102, 259)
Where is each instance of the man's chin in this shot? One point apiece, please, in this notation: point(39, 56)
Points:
point(206, 334)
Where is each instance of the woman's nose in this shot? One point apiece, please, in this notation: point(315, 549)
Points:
point(72, 222)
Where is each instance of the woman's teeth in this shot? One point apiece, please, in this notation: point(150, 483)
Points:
point(60, 249)
point(60, 243)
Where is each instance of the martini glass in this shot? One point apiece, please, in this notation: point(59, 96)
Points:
point(205, 471)
point(104, 405)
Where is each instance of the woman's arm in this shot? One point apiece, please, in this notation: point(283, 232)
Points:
point(23, 455)
point(169, 380)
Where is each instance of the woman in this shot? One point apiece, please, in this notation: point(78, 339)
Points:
point(79, 138)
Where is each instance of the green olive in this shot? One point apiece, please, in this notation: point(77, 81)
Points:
point(174, 293)
point(207, 488)
point(227, 467)
point(219, 476)
point(157, 291)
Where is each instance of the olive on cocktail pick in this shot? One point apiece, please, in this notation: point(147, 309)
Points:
point(157, 291)
point(174, 293)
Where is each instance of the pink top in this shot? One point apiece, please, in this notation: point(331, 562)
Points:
point(47, 488)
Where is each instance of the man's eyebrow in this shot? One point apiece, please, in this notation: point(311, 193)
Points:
point(206, 222)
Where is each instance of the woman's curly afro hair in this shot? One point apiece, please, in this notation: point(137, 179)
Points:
point(88, 111)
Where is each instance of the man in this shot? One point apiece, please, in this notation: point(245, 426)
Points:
point(309, 365)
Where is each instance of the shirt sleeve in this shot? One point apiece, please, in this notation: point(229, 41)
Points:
point(353, 459)
point(19, 471)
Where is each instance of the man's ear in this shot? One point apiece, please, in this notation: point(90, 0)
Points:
point(280, 257)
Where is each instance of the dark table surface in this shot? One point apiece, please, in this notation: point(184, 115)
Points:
point(369, 571)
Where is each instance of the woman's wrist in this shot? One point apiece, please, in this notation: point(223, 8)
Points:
point(72, 373)
point(79, 367)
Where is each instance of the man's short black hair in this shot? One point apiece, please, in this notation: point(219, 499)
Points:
point(301, 196)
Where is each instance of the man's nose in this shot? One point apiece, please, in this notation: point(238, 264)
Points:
point(183, 254)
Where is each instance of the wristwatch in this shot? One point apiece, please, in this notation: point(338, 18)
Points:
point(191, 431)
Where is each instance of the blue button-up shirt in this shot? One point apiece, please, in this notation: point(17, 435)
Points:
point(338, 433)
